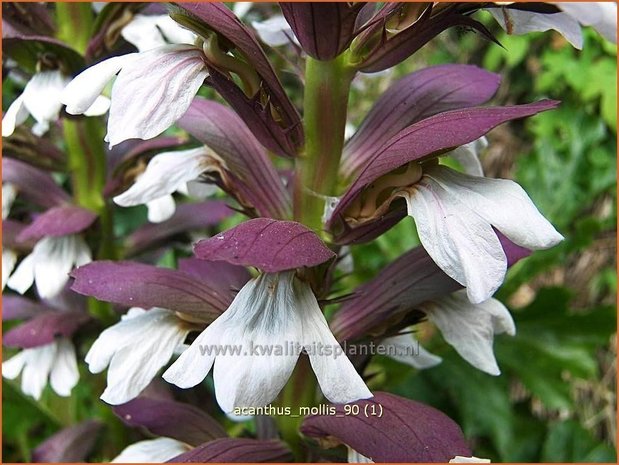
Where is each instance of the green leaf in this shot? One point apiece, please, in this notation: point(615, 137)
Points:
point(567, 441)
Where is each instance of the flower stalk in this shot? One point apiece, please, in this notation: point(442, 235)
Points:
point(327, 85)
point(75, 21)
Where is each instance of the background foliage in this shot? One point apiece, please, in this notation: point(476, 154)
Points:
point(556, 398)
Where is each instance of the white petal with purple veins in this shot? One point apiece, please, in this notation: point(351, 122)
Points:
point(153, 91)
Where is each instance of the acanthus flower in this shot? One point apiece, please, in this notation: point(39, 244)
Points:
point(49, 264)
point(56, 361)
point(167, 173)
point(276, 310)
point(456, 216)
point(470, 328)
point(152, 91)
point(42, 99)
point(135, 349)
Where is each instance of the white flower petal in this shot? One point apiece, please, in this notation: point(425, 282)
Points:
point(242, 8)
point(135, 349)
point(99, 107)
point(64, 373)
point(82, 252)
point(460, 459)
point(198, 190)
point(468, 156)
point(173, 32)
point(40, 128)
point(115, 338)
point(470, 328)
point(15, 115)
point(164, 174)
point(37, 368)
point(161, 208)
point(55, 257)
point(194, 363)
point(521, 22)
point(406, 349)
point(9, 192)
point(82, 92)
point(153, 91)
point(12, 367)
point(158, 450)
point(274, 31)
point(459, 241)
point(502, 203)
point(337, 377)
point(23, 277)
point(42, 97)
point(602, 16)
point(9, 257)
point(142, 32)
point(356, 457)
point(346, 263)
point(264, 316)
point(254, 346)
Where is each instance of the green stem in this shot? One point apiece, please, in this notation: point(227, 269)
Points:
point(327, 85)
point(75, 22)
point(87, 167)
